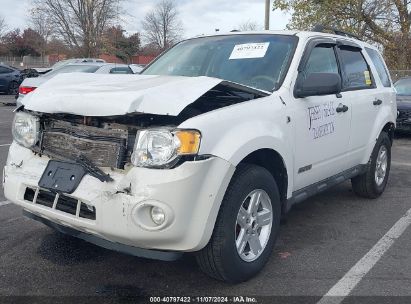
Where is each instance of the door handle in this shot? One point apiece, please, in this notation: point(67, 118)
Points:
point(341, 108)
point(377, 102)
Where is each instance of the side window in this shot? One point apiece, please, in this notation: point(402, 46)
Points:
point(355, 70)
point(124, 70)
point(322, 60)
point(379, 66)
point(4, 70)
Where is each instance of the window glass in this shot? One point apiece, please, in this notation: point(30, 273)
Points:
point(121, 70)
point(4, 70)
point(356, 74)
point(258, 61)
point(322, 60)
point(403, 86)
point(379, 66)
point(80, 68)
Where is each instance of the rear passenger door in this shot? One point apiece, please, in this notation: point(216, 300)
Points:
point(360, 89)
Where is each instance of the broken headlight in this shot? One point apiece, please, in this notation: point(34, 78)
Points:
point(163, 147)
point(26, 129)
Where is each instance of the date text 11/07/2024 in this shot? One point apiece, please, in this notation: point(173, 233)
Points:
point(204, 299)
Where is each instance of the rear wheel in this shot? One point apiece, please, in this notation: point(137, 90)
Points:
point(372, 183)
point(246, 227)
point(13, 88)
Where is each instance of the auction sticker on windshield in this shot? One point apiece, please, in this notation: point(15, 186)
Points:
point(249, 50)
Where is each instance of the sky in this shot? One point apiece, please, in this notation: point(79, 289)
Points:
point(198, 16)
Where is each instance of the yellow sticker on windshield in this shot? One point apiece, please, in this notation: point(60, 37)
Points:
point(367, 77)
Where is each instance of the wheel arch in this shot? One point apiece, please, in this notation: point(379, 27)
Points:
point(274, 163)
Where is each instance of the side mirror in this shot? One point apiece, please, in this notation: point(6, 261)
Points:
point(317, 84)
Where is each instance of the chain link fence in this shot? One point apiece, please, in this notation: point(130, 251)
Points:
point(25, 62)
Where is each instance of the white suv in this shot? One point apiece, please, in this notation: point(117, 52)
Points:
point(208, 148)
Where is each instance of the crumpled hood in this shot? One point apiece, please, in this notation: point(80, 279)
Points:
point(110, 95)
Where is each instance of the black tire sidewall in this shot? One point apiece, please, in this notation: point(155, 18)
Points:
point(383, 140)
point(236, 269)
point(15, 85)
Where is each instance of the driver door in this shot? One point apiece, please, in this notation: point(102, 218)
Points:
point(322, 132)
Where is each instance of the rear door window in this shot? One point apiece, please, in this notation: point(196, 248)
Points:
point(379, 66)
point(355, 70)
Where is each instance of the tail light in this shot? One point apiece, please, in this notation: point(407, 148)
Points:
point(26, 90)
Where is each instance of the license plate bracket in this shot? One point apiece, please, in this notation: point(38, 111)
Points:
point(62, 177)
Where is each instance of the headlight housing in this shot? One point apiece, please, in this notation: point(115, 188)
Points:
point(26, 129)
point(159, 148)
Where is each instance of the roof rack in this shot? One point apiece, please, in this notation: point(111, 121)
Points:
point(322, 29)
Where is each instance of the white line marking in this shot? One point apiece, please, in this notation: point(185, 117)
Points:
point(5, 145)
point(4, 203)
point(344, 286)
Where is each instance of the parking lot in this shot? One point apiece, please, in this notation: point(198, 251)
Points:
point(320, 241)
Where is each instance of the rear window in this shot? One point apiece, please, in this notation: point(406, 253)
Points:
point(355, 70)
point(379, 66)
point(83, 68)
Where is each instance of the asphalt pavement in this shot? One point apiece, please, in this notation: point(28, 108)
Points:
point(323, 241)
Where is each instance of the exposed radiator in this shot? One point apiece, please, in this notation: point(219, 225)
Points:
point(104, 147)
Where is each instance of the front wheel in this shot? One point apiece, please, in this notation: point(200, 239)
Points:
point(246, 227)
point(372, 183)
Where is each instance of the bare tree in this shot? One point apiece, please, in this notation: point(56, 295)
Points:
point(249, 25)
point(81, 23)
point(43, 25)
point(162, 25)
point(3, 26)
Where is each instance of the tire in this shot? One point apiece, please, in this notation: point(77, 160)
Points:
point(220, 259)
point(367, 185)
point(13, 88)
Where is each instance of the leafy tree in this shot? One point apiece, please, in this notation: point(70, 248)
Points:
point(386, 22)
point(22, 44)
point(115, 42)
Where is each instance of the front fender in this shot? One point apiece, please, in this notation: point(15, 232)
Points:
point(234, 132)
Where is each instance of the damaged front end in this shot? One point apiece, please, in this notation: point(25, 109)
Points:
point(101, 174)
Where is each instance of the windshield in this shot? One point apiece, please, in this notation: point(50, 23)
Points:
point(258, 61)
point(403, 86)
point(83, 68)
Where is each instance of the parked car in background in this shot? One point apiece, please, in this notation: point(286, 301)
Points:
point(9, 79)
point(403, 87)
point(62, 63)
point(137, 68)
point(30, 84)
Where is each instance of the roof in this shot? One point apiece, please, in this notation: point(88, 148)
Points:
point(301, 34)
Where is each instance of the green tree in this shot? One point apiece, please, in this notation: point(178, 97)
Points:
point(115, 42)
point(386, 22)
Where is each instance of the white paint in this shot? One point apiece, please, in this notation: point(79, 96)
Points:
point(5, 145)
point(4, 203)
point(249, 50)
point(344, 287)
point(109, 94)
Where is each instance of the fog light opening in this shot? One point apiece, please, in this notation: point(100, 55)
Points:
point(157, 215)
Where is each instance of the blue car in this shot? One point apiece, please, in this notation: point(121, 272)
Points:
point(9, 79)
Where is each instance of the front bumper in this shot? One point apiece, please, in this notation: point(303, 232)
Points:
point(190, 194)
